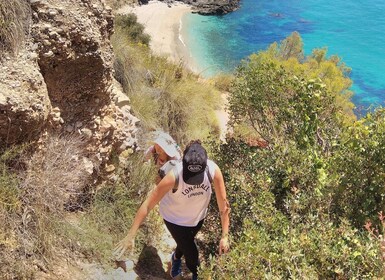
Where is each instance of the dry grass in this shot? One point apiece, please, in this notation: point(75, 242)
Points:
point(54, 177)
point(55, 174)
point(14, 24)
point(223, 81)
point(116, 4)
point(164, 95)
point(32, 206)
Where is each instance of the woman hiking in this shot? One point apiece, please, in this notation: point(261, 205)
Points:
point(183, 196)
point(165, 153)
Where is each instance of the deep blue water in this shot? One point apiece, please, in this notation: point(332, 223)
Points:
point(353, 30)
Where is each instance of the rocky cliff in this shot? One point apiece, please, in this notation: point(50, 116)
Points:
point(209, 7)
point(62, 82)
point(214, 7)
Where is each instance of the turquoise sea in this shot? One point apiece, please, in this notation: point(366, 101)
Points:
point(353, 30)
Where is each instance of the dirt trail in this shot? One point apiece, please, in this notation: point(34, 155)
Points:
point(152, 264)
point(223, 117)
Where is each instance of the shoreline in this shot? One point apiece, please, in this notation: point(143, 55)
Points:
point(164, 24)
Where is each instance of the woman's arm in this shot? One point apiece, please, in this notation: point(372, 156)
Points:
point(155, 196)
point(224, 209)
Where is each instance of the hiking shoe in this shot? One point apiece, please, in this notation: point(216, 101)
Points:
point(176, 266)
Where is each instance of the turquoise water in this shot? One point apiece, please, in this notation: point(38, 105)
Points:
point(353, 30)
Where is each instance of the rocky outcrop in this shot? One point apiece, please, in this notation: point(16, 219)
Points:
point(24, 100)
point(62, 83)
point(207, 7)
point(212, 7)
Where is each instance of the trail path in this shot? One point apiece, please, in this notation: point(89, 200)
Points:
point(223, 117)
point(152, 264)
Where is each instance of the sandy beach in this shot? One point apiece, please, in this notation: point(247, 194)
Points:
point(164, 23)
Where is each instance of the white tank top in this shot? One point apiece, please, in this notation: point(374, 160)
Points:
point(188, 205)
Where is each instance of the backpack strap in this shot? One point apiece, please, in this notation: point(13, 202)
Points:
point(176, 174)
point(207, 170)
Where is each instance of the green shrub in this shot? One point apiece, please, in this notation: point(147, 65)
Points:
point(9, 190)
point(359, 169)
point(296, 240)
point(284, 223)
point(127, 25)
point(315, 250)
point(282, 107)
point(10, 212)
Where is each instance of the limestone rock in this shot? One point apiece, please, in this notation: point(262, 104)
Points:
point(24, 101)
point(62, 82)
point(211, 7)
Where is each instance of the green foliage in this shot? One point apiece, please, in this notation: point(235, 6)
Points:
point(127, 25)
point(164, 95)
point(10, 209)
point(9, 192)
point(114, 207)
point(282, 107)
point(290, 47)
point(185, 104)
point(359, 167)
point(290, 237)
point(297, 205)
point(332, 71)
point(115, 203)
point(313, 250)
point(9, 182)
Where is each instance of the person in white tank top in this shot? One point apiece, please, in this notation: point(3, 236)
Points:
point(184, 195)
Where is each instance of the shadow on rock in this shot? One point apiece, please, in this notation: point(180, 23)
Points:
point(149, 265)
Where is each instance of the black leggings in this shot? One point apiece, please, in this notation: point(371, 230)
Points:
point(185, 244)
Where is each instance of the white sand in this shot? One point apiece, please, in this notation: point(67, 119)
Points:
point(163, 23)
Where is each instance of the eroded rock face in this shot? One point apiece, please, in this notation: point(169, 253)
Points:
point(211, 7)
point(63, 82)
point(24, 101)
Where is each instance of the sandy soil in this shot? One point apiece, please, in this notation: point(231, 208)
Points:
point(164, 23)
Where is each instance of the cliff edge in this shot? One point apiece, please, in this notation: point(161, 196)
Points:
point(62, 82)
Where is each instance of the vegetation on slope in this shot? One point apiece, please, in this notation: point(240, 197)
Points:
point(49, 209)
point(163, 94)
point(299, 206)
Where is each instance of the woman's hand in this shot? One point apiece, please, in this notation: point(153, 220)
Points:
point(224, 245)
point(126, 244)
